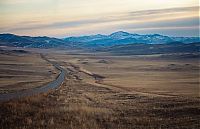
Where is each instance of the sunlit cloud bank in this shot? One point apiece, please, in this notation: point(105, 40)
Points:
point(174, 21)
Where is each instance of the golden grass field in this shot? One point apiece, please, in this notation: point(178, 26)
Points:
point(24, 71)
point(111, 92)
point(150, 74)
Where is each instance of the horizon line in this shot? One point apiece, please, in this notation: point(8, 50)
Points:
point(95, 34)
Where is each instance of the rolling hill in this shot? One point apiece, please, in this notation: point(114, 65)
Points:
point(148, 49)
point(31, 42)
point(118, 42)
point(120, 37)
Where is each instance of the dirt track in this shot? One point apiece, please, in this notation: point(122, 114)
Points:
point(78, 104)
point(42, 89)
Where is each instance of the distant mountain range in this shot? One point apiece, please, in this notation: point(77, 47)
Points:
point(92, 41)
point(30, 42)
point(120, 38)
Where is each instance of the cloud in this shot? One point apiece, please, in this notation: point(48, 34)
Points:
point(57, 25)
point(164, 11)
point(182, 22)
point(160, 18)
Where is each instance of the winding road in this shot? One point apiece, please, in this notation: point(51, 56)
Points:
point(30, 92)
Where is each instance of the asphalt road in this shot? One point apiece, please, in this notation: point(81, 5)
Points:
point(30, 92)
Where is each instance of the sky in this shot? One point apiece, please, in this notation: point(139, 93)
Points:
point(63, 18)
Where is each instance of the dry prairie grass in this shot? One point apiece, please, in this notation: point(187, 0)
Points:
point(77, 105)
point(144, 73)
point(24, 71)
point(83, 103)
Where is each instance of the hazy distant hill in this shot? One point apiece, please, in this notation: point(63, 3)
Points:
point(119, 38)
point(31, 42)
point(146, 49)
point(90, 42)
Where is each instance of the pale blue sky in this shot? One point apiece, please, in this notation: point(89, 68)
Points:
point(60, 18)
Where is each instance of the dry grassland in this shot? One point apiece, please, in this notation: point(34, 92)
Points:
point(107, 92)
point(24, 71)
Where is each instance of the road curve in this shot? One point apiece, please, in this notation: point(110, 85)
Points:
point(30, 92)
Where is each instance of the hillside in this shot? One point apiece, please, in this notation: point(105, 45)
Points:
point(146, 49)
point(92, 41)
point(31, 42)
point(120, 37)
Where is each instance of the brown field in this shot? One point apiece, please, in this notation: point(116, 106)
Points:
point(147, 74)
point(111, 92)
point(152, 76)
point(20, 71)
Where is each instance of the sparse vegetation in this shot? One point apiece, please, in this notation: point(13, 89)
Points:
point(21, 70)
point(83, 106)
point(105, 103)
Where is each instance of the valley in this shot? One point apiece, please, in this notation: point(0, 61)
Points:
point(104, 91)
point(21, 70)
point(99, 64)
